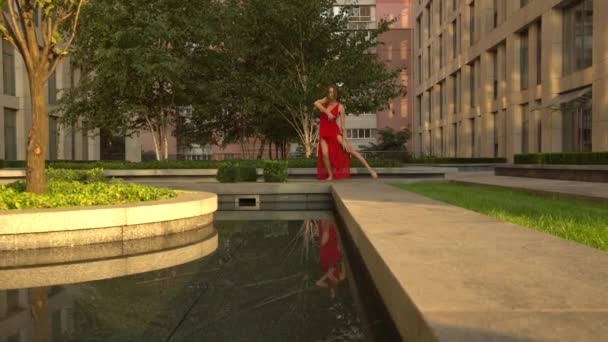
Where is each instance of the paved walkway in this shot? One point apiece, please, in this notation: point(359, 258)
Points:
point(559, 187)
point(451, 274)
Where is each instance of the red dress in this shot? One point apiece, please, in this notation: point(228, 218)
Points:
point(338, 158)
point(330, 255)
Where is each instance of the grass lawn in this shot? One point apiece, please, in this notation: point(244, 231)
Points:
point(582, 221)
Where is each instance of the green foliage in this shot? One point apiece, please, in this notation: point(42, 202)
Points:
point(275, 171)
point(437, 160)
point(74, 175)
point(582, 158)
point(391, 145)
point(1, 164)
point(231, 172)
point(61, 194)
point(137, 58)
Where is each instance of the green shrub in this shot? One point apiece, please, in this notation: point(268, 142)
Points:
point(434, 160)
point(61, 194)
point(70, 175)
point(570, 158)
point(275, 171)
point(1, 164)
point(231, 172)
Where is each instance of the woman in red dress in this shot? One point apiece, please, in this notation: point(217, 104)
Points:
point(330, 257)
point(333, 154)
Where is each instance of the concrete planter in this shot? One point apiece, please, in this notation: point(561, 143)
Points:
point(48, 228)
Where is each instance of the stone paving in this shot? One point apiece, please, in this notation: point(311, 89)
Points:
point(451, 274)
point(550, 186)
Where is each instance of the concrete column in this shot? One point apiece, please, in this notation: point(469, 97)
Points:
point(511, 86)
point(133, 148)
point(553, 41)
point(600, 82)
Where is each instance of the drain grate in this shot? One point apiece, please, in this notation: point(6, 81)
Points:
point(249, 202)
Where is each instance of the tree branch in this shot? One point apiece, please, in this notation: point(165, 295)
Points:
point(20, 43)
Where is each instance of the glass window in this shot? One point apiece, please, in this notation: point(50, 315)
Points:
point(361, 133)
point(441, 12)
point(419, 30)
point(403, 50)
point(523, 3)
point(472, 23)
point(472, 86)
point(431, 143)
point(52, 138)
point(441, 98)
point(430, 107)
point(389, 52)
point(495, 124)
point(10, 134)
point(578, 36)
point(495, 74)
point(349, 133)
point(524, 129)
point(52, 89)
point(442, 141)
point(455, 137)
point(473, 137)
point(495, 14)
point(8, 68)
point(419, 109)
point(454, 39)
point(430, 60)
point(577, 127)
point(440, 51)
point(539, 52)
point(523, 60)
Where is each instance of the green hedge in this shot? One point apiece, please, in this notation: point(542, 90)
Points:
point(432, 160)
point(231, 172)
point(84, 176)
point(185, 164)
point(579, 158)
point(61, 194)
point(275, 171)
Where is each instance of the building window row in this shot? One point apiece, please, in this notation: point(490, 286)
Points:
point(360, 133)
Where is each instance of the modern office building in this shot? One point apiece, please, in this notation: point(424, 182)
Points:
point(495, 78)
point(16, 113)
point(395, 50)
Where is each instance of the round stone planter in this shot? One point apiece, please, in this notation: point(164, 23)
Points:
point(66, 227)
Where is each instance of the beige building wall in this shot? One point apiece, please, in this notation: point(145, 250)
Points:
point(64, 142)
point(470, 98)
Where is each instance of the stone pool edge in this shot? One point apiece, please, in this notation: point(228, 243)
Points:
point(47, 228)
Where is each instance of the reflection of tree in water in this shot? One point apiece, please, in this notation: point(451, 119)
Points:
point(253, 288)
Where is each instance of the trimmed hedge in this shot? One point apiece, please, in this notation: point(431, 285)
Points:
point(275, 171)
point(236, 172)
point(62, 194)
point(574, 158)
point(433, 160)
point(84, 176)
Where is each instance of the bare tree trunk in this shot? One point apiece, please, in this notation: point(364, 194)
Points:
point(35, 178)
point(166, 142)
point(270, 150)
point(39, 306)
point(261, 150)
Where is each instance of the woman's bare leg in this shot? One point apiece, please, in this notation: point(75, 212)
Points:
point(325, 154)
point(359, 157)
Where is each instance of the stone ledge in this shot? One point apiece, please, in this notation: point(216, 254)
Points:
point(79, 218)
point(123, 264)
point(581, 173)
point(447, 273)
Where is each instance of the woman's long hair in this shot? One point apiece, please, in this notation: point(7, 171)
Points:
point(335, 88)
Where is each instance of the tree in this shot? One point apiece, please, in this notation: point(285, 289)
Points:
point(136, 58)
point(389, 141)
point(43, 46)
point(294, 49)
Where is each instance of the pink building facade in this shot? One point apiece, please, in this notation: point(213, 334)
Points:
point(396, 52)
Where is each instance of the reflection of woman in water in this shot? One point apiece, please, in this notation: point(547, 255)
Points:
point(332, 263)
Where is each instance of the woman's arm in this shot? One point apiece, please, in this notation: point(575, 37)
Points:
point(319, 105)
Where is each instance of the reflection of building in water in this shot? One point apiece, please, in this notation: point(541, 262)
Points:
point(16, 323)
